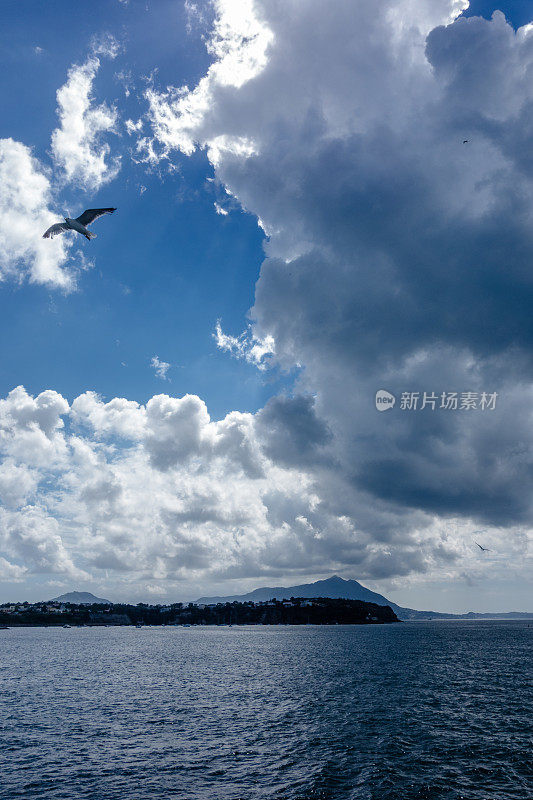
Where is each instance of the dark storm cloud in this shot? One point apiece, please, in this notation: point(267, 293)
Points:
point(291, 431)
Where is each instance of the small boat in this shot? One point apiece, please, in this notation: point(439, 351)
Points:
point(4, 627)
point(67, 626)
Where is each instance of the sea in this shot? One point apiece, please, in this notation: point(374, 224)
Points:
point(379, 712)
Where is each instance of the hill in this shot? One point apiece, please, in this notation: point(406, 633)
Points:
point(79, 598)
point(339, 588)
point(334, 587)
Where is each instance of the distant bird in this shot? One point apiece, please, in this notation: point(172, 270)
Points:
point(485, 549)
point(79, 224)
point(465, 141)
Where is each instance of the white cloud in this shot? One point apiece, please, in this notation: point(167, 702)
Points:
point(247, 346)
point(197, 16)
point(105, 45)
point(180, 117)
point(17, 483)
point(118, 417)
point(133, 127)
point(25, 213)
point(33, 537)
point(174, 429)
point(162, 494)
point(27, 188)
point(160, 368)
point(78, 146)
point(30, 428)
point(11, 572)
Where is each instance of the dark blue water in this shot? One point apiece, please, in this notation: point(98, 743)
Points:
point(431, 710)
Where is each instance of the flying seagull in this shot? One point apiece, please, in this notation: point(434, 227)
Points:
point(485, 549)
point(79, 224)
point(465, 141)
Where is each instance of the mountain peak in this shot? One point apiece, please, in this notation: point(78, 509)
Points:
point(334, 587)
point(79, 598)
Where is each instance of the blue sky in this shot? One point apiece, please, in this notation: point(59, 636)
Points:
point(299, 175)
point(518, 12)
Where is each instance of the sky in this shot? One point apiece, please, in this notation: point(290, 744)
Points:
point(315, 210)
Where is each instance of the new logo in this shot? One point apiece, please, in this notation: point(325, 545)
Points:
point(384, 400)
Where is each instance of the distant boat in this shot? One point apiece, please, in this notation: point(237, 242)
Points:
point(67, 626)
point(4, 627)
point(139, 625)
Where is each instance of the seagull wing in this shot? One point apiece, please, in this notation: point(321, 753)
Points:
point(55, 230)
point(91, 214)
point(481, 548)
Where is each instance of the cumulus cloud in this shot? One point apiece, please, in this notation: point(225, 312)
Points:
point(79, 149)
point(17, 483)
point(33, 537)
point(162, 495)
point(25, 213)
point(397, 256)
point(11, 572)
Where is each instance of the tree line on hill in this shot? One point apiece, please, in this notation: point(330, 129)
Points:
point(296, 611)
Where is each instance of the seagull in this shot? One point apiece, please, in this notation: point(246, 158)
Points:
point(465, 141)
point(485, 549)
point(79, 224)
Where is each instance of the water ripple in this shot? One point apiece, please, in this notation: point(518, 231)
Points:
point(434, 711)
